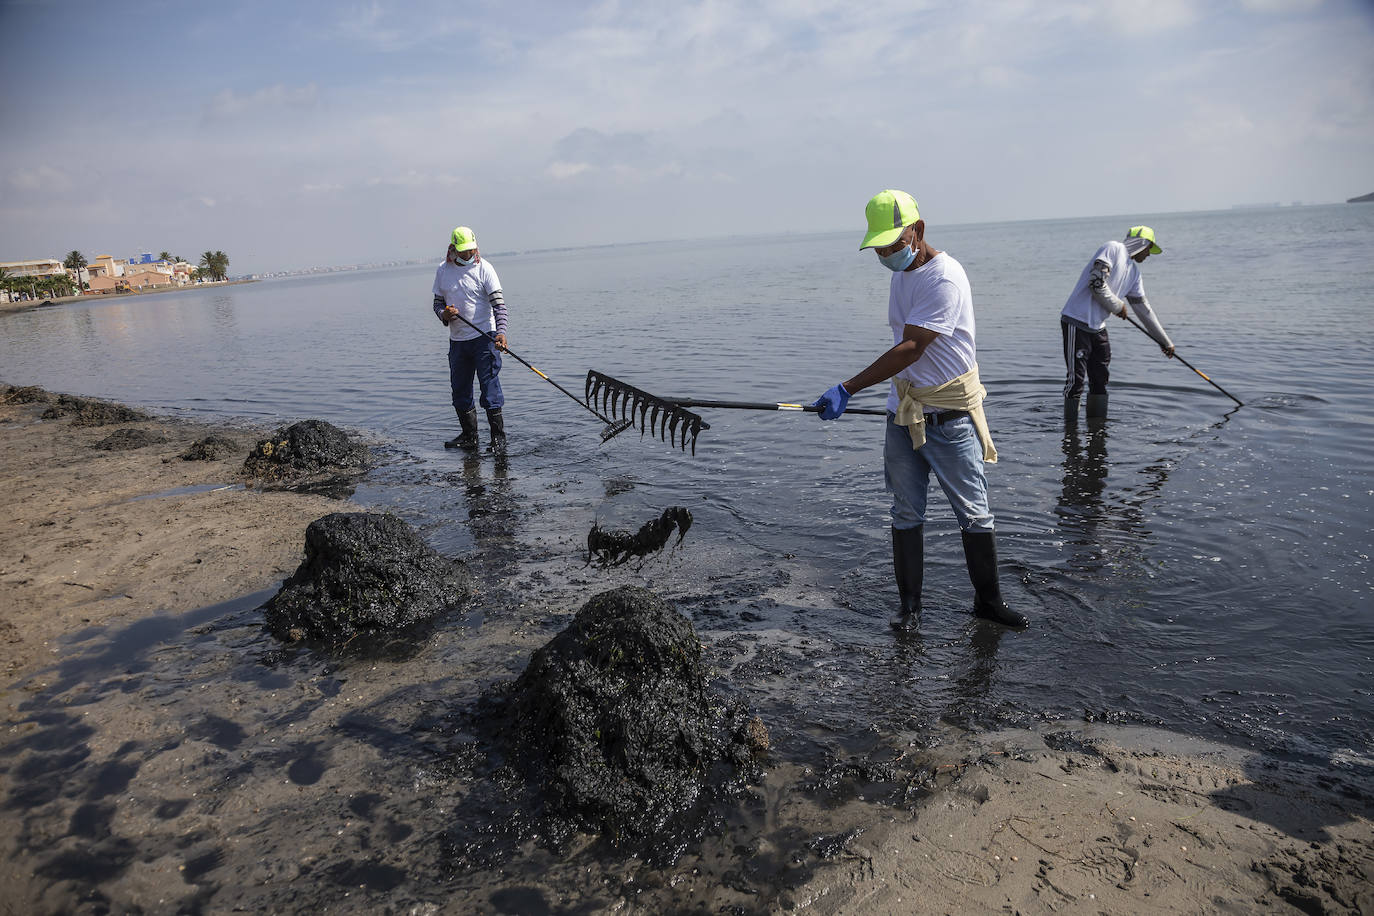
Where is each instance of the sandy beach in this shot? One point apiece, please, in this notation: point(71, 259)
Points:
point(1071, 818)
point(95, 536)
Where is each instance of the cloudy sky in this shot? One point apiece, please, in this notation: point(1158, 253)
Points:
point(323, 133)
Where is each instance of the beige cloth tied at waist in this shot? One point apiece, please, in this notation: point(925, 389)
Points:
point(963, 393)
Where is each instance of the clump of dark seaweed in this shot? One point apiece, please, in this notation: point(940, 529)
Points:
point(307, 447)
point(128, 439)
point(91, 412)
point(210, 448)
point(611, 548)
point(614, 721)
point(27, 394)
point(364, 574)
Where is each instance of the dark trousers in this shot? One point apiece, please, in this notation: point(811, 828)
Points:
point(1086, 355)
point(476, 357)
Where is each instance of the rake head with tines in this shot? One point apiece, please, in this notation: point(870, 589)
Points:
point(670, 421)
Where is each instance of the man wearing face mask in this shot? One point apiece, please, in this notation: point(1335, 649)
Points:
point(1106, 285)
point(466, 287)
point(935, 418)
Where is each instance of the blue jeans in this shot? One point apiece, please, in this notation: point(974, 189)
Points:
point(479, 357)
point(952, 452)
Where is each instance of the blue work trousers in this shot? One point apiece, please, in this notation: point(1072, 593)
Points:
point(477, 356)
point(954, 455)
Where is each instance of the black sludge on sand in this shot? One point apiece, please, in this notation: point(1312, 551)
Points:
point(613, 719)
point(307, 447)
point(364, 573)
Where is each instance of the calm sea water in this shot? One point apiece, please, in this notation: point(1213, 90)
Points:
point(1188, 564)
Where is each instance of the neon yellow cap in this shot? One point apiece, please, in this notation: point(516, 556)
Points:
point(463, 239)
point(888, 213)
point(1145, 232)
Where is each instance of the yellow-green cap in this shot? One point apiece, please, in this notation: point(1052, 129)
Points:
point(888, 213)
point(1145, 232)
point(463, 239)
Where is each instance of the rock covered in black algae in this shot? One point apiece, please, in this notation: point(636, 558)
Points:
point(364, 573)
point(303, 448)
point(615, 718)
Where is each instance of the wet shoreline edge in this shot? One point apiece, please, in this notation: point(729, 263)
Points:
point(1246, 811)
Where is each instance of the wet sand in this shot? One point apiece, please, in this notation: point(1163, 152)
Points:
point(93, 537)
point(244, 787)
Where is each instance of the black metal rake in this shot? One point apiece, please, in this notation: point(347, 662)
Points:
point(667, 416)
point(670, 421)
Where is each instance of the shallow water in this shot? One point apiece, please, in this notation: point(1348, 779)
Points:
point(1186, 565)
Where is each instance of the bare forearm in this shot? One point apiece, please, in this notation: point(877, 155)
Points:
point(886, 366)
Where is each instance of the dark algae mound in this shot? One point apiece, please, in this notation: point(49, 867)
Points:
point(128, 439)
point(26, 394)
point(614, 719)
point(90, 412)
point(364, 574)
point(304, 448)
point(211, 448)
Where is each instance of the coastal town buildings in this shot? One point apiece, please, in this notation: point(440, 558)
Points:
point(104, 274)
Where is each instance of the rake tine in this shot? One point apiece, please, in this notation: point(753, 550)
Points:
point(643, 409)
point(672, 432)
point(587, 389)
point(596, 392)
point(653, 421)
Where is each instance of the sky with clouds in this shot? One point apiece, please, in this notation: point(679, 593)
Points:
point(323, 133)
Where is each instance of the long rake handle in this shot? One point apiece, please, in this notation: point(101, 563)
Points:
point(510, 352)
point(1204, 375)
point(764, 405)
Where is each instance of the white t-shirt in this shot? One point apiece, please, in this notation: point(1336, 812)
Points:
point(935, 296)
point(467, 289)
point(1124, 280)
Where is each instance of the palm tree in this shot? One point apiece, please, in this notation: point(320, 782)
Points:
point(216, 264)
point(55, 286)
point(74, 262)
point(165, 256)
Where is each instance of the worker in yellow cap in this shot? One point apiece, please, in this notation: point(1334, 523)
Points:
point(935, 422)
point(468, 299)
point(1109, 282)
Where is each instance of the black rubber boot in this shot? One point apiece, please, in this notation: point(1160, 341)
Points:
point(908, 562)
point(1070, 411)
point(468, 437)
point(497, 424)
point(1097, 406)
point(980, 553)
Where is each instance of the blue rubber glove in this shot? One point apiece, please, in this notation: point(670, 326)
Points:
point(832, 403)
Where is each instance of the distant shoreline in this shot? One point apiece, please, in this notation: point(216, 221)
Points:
point(91, 297)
